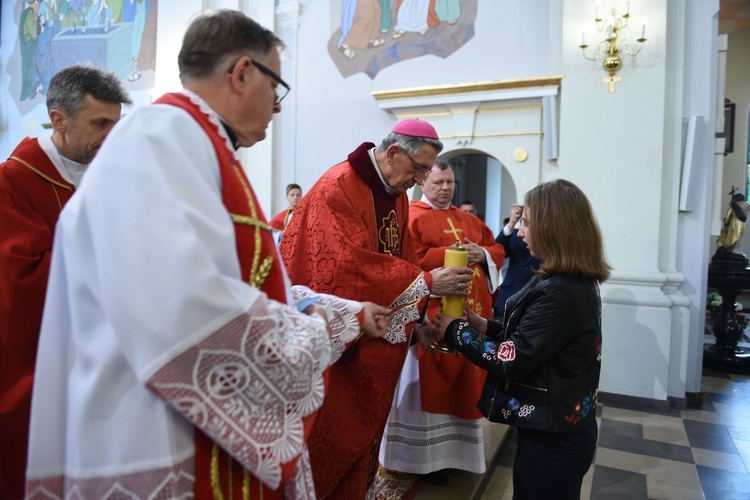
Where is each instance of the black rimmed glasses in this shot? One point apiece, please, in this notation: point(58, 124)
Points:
point(420, 169)
point(273, 76)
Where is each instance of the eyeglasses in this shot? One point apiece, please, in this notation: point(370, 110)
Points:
point(420, 169)
point(273, 76)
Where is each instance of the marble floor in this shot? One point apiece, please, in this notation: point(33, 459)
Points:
point(675, 454)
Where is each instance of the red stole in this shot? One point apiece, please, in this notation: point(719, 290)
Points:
point(255, 248)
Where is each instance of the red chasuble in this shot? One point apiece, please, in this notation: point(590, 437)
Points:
point(451, 384)
point(215, 470)
point(349, 237)
point(32, 194)
point(281, 219)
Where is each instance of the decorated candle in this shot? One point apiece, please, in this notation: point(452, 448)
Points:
point(455, 256)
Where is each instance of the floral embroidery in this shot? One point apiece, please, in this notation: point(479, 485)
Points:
point(507, 351)
point(582, 408)
point(598, 347)
point(514, 406)
point(491, 351)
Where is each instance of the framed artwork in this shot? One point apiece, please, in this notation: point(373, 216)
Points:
point(728, 132)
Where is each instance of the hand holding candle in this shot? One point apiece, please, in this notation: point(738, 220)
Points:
point(455, 256)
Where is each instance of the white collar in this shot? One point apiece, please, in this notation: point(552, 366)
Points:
point(388, 188)
point(428, 202)
point(70, 170)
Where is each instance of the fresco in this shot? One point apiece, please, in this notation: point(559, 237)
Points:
point(375, 34)
point(118, 35)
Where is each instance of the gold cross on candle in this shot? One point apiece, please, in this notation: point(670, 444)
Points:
point(611, 80)
point(453, 230)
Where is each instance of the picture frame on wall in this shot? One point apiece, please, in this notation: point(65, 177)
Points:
point(728, 132)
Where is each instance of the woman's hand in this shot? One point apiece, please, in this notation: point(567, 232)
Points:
point(478, 322)
point(441, 322)
point(426, 335)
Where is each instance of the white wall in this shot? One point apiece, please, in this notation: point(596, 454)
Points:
point(623, 150)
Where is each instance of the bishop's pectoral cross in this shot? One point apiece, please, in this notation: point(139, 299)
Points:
point(453, 230)
point(611, 80)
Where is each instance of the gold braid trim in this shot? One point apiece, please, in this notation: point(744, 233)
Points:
point(37, 172)
point(215, 485)
point(258, 274)
point(259, 271)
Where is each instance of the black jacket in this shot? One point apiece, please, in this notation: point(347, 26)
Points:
point(543, 366)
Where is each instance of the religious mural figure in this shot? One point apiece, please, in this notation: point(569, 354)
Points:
point(376, 34)
point(117, 35)
point(27, 35)
point(360, 26)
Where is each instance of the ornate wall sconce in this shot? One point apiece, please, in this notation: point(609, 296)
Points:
point(612, 47)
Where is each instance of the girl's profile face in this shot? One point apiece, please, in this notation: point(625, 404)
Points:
point(525, 233)
point(293, 197)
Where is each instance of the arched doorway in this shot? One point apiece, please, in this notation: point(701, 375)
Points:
point(483, 180)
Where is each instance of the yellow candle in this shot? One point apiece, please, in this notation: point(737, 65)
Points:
point(455, 256)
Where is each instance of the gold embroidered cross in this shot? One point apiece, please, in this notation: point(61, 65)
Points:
point(612, 80)
point(453, 230)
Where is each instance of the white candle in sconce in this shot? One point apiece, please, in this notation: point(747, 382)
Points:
point(627, 8)
point(597, 4)
point(583, 35)
point(643, 28)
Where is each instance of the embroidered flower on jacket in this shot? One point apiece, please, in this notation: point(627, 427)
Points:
point(515, 406)
point(598, 347)
point(582, 408)
point(507, 351)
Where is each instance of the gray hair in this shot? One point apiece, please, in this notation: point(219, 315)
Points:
point(409, 143)
point(69, 87)
point(216, 37)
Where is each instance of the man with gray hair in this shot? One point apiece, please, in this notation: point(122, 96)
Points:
point(39, 177)
point(177, 360)
point(349, 237)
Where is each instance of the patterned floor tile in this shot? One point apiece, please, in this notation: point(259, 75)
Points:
point(665, 429)
point(743, 448)
point(719, 460)
point(646, 447)
point(720, 484)
point(617, 484)
point(702, 416)
point(621, 428)
point(709, 436)
point(617, 459)
point(621, 414)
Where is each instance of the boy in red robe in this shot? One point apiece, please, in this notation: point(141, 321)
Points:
point(349, 237)
point(281, 219)
point(41, 175)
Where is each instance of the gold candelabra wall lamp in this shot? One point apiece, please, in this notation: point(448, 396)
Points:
point(614, 46)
